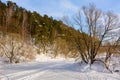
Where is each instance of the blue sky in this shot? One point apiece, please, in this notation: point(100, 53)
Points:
point(59, 8)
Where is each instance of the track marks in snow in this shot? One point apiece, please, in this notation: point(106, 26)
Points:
point(52, 71)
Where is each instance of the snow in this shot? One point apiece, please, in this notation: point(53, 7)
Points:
point(55, 69)
point(46, 58)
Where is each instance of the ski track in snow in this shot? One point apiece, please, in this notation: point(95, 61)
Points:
point(59, 70)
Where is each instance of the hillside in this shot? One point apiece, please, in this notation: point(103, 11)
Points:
point(48, 35)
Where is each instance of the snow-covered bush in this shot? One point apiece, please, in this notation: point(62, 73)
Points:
point(14, 49)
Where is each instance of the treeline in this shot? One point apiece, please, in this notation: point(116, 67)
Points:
point(42, 31)
point(16, 19)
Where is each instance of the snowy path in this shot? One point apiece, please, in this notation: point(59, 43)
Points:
point(51, 71)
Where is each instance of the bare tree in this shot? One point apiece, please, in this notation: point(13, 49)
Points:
point(11, 45)
point(98, 26)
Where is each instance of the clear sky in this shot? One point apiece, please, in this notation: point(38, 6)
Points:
point(59, 8)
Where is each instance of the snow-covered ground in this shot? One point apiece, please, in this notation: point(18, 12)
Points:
point(55, 70)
